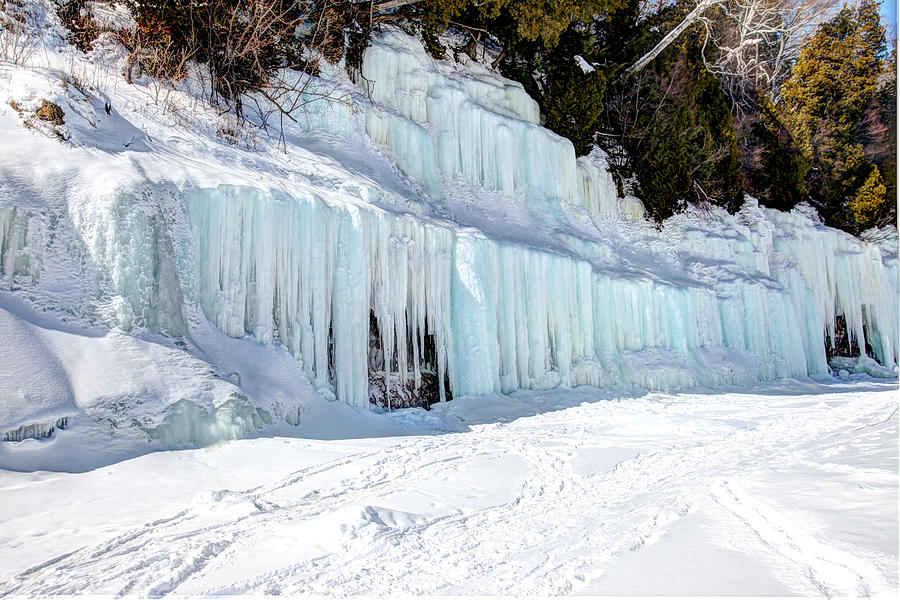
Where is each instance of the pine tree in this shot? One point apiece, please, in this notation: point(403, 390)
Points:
point(775, 169)
point(871, 202)
point(837, 78)
point(530, 20)
point(838, 72)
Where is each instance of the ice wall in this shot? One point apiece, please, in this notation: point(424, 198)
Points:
point(827, 273)
point(112, 258)
point(598, 191)
point(846, 278)
point(725, 300)
point(446, 125)
point(483, 315)
point(500, 317)
point(20, 244)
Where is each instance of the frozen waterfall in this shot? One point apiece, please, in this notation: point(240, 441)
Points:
point(348, 287)
point(503, 317)
point(499, 317)
point(446, 126)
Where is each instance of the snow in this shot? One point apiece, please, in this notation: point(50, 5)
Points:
point(787, 488)
point(191, 309)
point(586, 67)
point(860, 364)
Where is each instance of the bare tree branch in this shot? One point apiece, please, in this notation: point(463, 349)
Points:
point(690, 19)
point(749, 44)
point(388, 5)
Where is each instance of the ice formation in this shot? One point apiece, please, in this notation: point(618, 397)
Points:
point(500, 316)
point(35, 430)
point(756, 298)
point(445, 126)
point(853, 280)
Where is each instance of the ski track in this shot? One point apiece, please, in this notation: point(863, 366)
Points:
point(559, 531)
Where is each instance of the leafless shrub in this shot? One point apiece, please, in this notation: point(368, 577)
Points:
point(50, 112)
point(19, 24)
point(76, 16)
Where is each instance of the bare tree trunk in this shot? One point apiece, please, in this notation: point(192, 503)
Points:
point(381, 6)
point(690, 19)
point(497, 60)
point(750, 44)
point(389, 4)
point(472, 47)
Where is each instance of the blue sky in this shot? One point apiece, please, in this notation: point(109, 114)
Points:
point(889, 13)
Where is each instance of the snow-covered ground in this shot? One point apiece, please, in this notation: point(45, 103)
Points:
point(171, 278)
point(787, 488)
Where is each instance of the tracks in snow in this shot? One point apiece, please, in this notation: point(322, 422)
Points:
point(328, 529)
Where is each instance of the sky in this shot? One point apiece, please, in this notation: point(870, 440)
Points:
point(889, 14)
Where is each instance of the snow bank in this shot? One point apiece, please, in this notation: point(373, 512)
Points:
point(845, 365)
point(34, 386)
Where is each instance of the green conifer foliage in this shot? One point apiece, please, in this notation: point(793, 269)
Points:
point(870, 205)
point(528, 20)
point(665, 175)
point(838, 72)
point(775, 168)
point(675, 125)
point(718, 161)
point(573, 105)
point(834, 83)
point(878, 134)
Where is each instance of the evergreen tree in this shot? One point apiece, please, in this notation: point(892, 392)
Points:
point(528, 20)
point(870, 204)
point(838, 72)
point(775, 169)
point(878, 134)
point(837, 78)
point(573, 105)
point(672, 120)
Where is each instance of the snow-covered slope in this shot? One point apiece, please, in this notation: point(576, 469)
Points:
point(424, 222)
